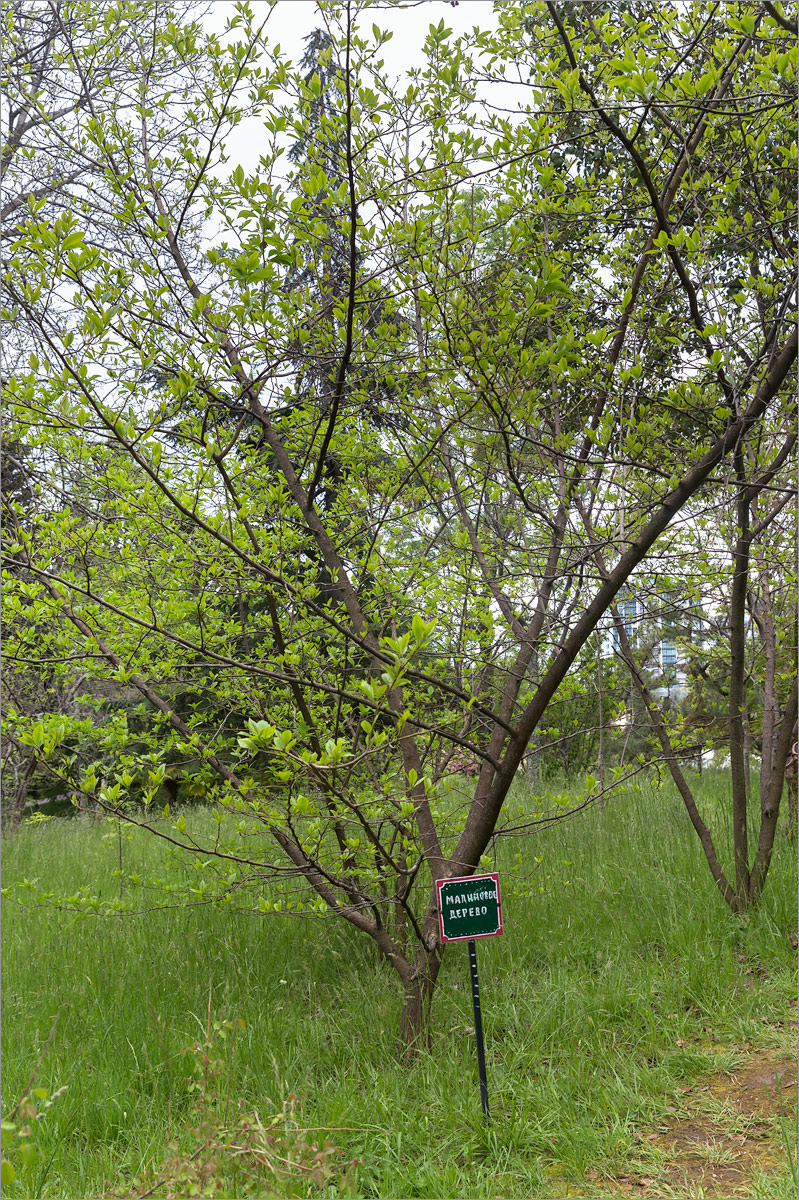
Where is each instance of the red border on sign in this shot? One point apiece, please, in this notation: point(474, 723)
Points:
point(467, 879)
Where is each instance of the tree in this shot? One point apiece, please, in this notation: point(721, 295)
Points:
point(750, 663)
point(556, 403)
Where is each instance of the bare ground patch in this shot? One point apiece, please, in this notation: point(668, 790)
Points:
point(718, 1149)
point(724, 1131)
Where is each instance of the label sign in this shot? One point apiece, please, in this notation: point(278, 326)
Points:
point(469, 907)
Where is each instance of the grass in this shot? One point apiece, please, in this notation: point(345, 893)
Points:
point(620, 979)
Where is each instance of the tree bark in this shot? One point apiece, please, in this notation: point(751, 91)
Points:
point(21, 792)
point(601, 717)
point(415, 1028)
point(738, 758)
point(791, 786)
point(771, 806)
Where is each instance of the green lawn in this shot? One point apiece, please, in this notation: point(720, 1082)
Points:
point(621, 978)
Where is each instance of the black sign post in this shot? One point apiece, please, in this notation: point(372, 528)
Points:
point(478, 1030)
point(469, 908)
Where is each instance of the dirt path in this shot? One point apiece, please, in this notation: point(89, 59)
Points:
point(723, 1131)
point(717, 1150)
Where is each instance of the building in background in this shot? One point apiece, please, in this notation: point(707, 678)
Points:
point(658, 625)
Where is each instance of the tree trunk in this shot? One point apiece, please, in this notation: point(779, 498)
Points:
point(21, 792)
point(601, 750)
point(533, 766)
point(747, 750)
point(737, 695)
point(534, 753)
point(415, 1028)
point(771, 807)
point(791, 784)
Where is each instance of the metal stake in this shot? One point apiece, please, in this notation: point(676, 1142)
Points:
point(478, 1030)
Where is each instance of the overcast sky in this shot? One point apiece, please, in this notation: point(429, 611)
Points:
point(292, 20)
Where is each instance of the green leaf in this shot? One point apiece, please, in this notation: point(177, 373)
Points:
point(28, 1154)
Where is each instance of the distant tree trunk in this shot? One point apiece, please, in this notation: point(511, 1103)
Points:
point(534, 753)
point(401, 929)
point(601, 750)
point(737, 699)
point(775, 757)
point(770, 806)
point(21, 792)
point(533, 767)
point(791, 785)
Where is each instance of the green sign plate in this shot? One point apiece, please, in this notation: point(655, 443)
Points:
point(469, 907)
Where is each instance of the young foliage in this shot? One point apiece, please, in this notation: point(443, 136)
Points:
point(338, 465)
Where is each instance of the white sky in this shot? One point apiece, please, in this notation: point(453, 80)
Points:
point(292, 20)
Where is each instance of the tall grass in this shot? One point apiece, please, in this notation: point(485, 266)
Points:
point(619, 973)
